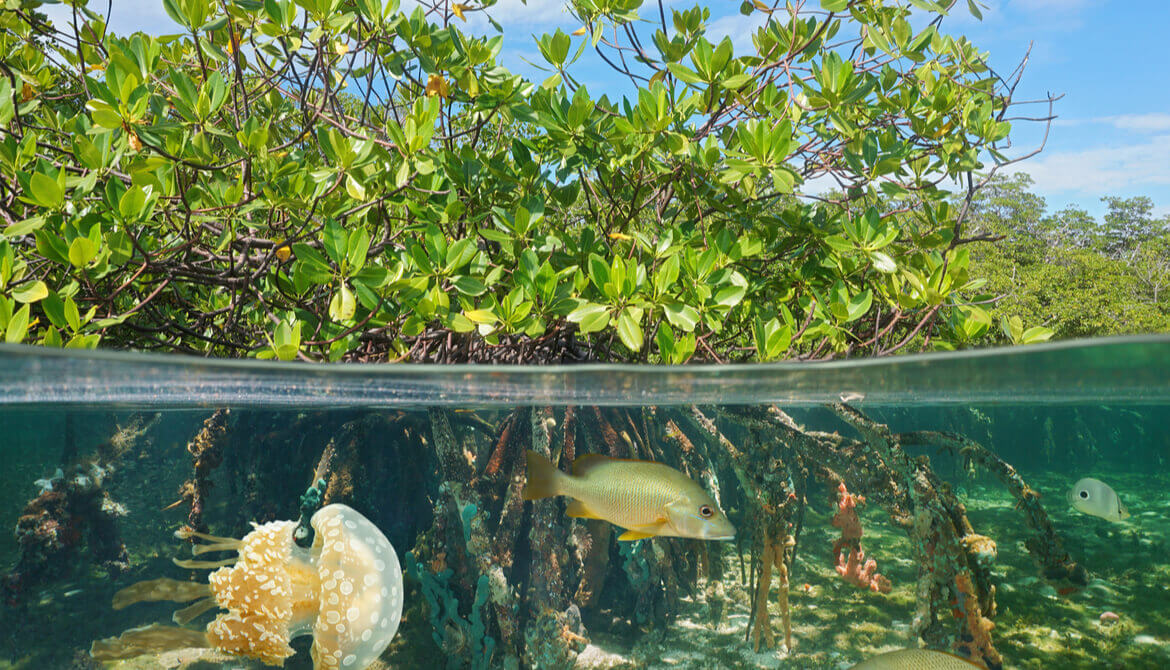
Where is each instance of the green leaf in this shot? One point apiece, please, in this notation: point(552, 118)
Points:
point(737, 81)
point(883, 262)
point(17, 326)
point(71, 314)
point(859, 305)
point(286, 341)
point(667, 274)
point(104, 114)
point(730, 296)
point(30, 292)
point(45, 191)
point(358, 248)
point(469, 285)
point(54, 308)
point(484, 316)
point(460, 323)
point(343, 305)
point(354, 188)
point(82, 251)
point(131, 204)
point(629, 331)
point(1036, 334)
point(684, 73)
point(590, 317)
point(665, 341)
point(335, 240)
point(29, 225)
point(681, 316)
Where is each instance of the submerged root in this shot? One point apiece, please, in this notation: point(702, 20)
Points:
point(160, 589)
point(151, 639)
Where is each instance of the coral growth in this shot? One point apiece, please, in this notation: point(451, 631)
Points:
point(848, 556)
point(776, 551)
point(460, 637)
point(70, 512)
point(975, 642)
point(207, 450)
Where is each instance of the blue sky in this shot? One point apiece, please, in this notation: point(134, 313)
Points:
point(1107, 58)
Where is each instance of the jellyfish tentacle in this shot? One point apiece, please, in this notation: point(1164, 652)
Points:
point(234, 545)
point(187, 534)
point(162, 588)
point(205, 565)
point(193, 610)
point(147, 639)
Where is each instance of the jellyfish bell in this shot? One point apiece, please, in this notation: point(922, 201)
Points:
point(345, 591)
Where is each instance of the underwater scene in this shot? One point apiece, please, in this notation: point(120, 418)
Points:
point(995, 509)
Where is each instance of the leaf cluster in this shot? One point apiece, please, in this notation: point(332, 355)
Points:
point(351, 179)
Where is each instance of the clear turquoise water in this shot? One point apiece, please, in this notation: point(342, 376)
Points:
point(1057, 413)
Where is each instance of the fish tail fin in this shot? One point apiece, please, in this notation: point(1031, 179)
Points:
point(543, 478)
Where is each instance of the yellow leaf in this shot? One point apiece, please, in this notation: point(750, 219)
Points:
point(283, 252)
point(620, 236)
point(436, 85)
point(458, 9)
point(340, 48)
point(580, 31)
point(761, 6)
point(27, 92)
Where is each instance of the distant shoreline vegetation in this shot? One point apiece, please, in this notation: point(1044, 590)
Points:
point(348, 180)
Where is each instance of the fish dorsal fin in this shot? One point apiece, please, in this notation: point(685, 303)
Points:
point(578, 510)
point(583, 463)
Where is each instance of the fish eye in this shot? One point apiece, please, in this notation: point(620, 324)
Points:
point(1084, 494)
point(706, 512)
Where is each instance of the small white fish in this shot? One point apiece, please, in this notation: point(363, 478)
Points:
point(647, 499)
point(916, 659)
point(1095, 498)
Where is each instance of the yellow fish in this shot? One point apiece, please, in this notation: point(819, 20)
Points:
point(645, 498)
point(916, 659)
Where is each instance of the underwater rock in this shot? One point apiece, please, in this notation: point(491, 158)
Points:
point(346, 591)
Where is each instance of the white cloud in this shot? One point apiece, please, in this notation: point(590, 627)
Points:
point(1093, 172)
point(1023, 17)
point(739, 28)
point(1147, 123)
point(126, 16)
point(510, 13)
point(1051, 5)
